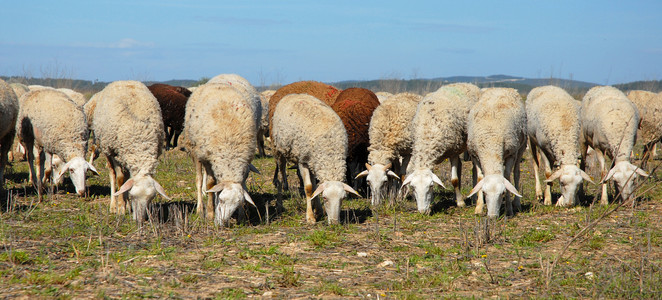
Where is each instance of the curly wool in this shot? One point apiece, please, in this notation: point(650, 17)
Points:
point(307, 131)
point(553, 121)
point(20, 89)
point(61, 123)
point(241, 84)
point(9, 107)
point(76, 97)
point(649, 105)
point(496, 128)
point(609, 121)
point(220, 130)
point(324, 92)
point(128, 126)
point(439, 126)
point(390, 131)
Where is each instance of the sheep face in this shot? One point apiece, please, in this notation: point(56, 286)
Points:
point(493, 188)
point(141, 189)
point(624, 174)
point(376, 176)
point(334, 192)
point(570, 178)
point(230, 197)
point(77, 168)
point(422, 181)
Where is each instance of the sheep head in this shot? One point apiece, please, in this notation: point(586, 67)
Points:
point(376, 176)
point(141, 189)
point(230, 196)
point(422, 181)
point(624, 173)
point(77, 168)
point(494, 186)
point(570, 177)
point(332, 194)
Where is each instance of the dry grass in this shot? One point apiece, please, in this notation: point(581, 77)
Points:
point(70, 247)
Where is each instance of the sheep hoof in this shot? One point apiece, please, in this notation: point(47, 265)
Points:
point(461, 203)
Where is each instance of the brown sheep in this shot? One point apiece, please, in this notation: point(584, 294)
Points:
point(172, 100)
point(354, 106)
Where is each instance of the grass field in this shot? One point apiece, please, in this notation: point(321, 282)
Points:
point(71, 247)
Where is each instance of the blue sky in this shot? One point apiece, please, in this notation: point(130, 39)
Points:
point(604, 42)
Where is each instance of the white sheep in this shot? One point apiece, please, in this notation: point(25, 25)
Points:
point(20, 90)
point(496, 140)
point(440, 132)
point(553, 128)
point(8, 113)
point(609, 125)
point(129, 131)
point(649, 105)
point(220, 133)
point(76, 97)
point(242, 84)
point(308, 132)
point(391, 141)
point(50, 124)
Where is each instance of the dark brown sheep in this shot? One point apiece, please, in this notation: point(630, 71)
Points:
point(172, 100)
point(354, 106)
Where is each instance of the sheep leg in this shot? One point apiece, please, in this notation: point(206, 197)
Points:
point(548, 173)
point(111, 173)
point(480, 200)
point(31, 159)
point(506, 174)
point(198, 187)
point(646, 154)
point(604, 197)
point(393, 184)
point(169, 132)
point(308, 189)
point(516, 177)
point(39, 160)
point(260, 144)
point(535, 154)
point(6, 146)
point(283, 173)
point(175, 137)
point(211, 182)
point(456, 180)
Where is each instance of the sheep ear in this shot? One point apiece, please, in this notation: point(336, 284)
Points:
point(217, 188)
point(92, 168)
point(319, 189)
point(251, 167)
point(511, 188)
point(407, 181)
point(585, 176)
point(476, 188)
point(554, 176)
point(61, 173)
point(125, 187)
point(351, 190)
point(392, 174)
point(362, 174)
point(248, 198)
point(436, 180)
point(609, 175)
point(160, 190)
point(367, 166)
point(641, 172)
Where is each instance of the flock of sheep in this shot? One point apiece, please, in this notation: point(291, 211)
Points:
point(341, 141)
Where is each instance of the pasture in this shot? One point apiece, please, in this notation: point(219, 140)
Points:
point(71, 247)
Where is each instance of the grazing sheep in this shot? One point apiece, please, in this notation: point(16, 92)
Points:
point(439, 131)
point(129, 131)
point(391, 141)
point(354, 106)
point(321, 91)
point(649, 106)
point(76, 97)
point(553, 128)
point(309, 133)
point(263, 131)
point(172, 100)
point(220, 133)
point(496, 140)
point(609, 125)
point(50, 123)
point(382, 96)
point(8, 113)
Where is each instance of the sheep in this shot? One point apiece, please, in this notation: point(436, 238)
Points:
point(263, 131)
point(321, 91)
point(20, 90)
point(8, 114)
point(496, 140)
point(391, 139)
point(609, 125)
point(309, 133)
point(649, 106)
point(439, 131)
point(553, 128)
point(172, 100)
point(382, 96)
point(220, 132)
point(128, 127)
point(354, 106)
point(49, 123)
point(76, 97)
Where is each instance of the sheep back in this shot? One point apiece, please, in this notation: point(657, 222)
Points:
point(496, 128)
point(128, 126)
point(390, 128)
point(307, 131)
point(220, 129)
point(553, 120)
point(60, 121)
point(649, 105)
point(324, 92)
point(241, 84)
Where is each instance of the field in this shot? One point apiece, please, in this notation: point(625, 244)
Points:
point(71, 247)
